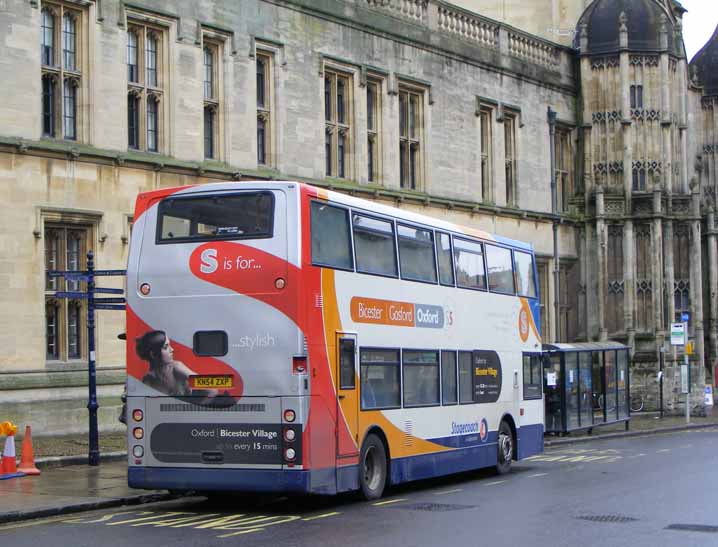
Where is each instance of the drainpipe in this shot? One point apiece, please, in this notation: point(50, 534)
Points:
point(554, 212)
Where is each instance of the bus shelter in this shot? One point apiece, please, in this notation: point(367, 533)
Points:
point(585, 385)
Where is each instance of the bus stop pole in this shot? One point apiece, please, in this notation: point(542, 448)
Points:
point(688, 391)
point(92, 406)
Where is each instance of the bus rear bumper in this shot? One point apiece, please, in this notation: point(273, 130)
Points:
point(219, 479)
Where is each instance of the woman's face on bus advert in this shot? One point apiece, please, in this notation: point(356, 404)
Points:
point(166, 352)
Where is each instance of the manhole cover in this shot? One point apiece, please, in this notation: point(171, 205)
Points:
point(693, 528)
point(434, 507)
point(607, 518)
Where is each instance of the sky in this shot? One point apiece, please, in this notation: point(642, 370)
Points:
point(698, 24)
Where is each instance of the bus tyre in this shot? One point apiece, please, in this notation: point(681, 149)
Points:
point(372, 468)
point(505, 449)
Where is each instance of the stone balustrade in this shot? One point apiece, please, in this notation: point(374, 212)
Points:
point(487, 33)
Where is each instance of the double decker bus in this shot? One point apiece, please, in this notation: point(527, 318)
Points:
point(287, 338)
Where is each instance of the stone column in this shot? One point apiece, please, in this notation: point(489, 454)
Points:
point(667, 149)
point(696, 273)
point(629, 283)
point(657, 261)
point(602, 270)
point(713, 290)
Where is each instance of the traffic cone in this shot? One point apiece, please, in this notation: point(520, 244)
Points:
point(27, 458)
point(9, 465)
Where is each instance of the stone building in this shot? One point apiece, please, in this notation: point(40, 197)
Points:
point(433, 106)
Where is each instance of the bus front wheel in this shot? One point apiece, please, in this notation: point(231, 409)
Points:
point(372, 468)
point(505, 449)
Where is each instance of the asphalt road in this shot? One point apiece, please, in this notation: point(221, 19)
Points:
point(652, 491)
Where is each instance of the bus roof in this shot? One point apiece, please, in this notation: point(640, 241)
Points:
point(145, 198)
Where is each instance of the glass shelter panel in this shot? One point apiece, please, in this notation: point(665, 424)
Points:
point(598, 387)
point(585, 387)
point(610, 371)
point(572, 394)
point(622, 382)
point(552, 391)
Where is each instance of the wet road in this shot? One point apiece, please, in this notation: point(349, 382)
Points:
point(644, 491)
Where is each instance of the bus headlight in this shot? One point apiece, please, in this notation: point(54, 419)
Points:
point(138, 451)
point(290, 454)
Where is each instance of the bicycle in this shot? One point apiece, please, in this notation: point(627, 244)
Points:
point(636, 402)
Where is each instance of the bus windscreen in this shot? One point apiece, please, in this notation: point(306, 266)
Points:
point(245, 215)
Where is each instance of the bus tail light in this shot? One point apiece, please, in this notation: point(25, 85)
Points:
point(299, 365)
point(290, 454)
point(138, 433)
point(289, 415)
point(137, 415)
point(280, 283)
point(289, 434)
point(145, 289)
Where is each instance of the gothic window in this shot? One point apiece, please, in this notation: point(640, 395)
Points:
point(337, 122)
point(564, 170)
point(486, 142)
point(373, 129)
point(146, 83)
point(61, 69)
point(510, 158)
point(644, 279)
point(681, 269)
point(65, 326)
point(543, 279)
point(265, 113)
point(636, 96)
point(568, 301)
point(639, 179)
point(615, 282)
point(212, 97)
point(411, 127)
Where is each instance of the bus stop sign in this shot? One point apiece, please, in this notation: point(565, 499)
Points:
point(678, 334)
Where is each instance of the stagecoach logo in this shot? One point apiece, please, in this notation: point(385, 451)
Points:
point(523, 324)
point(210, 263)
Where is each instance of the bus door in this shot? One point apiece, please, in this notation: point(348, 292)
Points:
point(347, 395)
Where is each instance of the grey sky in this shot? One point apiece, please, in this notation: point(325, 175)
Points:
point(698, 24)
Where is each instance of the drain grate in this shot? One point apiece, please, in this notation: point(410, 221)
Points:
point(434, 507)
point(607, 518)
point(693, 528)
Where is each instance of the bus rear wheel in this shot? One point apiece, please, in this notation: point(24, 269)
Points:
point(505, 449)
point(372, 468)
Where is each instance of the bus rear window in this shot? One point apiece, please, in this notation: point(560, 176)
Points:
point(247, 215)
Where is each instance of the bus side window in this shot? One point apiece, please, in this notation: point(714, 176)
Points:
point(448, 378)
point(523, 264)
point(446, 264)
point(466, 383)
point(379, 378)
point(416, 253)
point(469, 262)
point(331, 244)
point(374, 245)
point(501, 273)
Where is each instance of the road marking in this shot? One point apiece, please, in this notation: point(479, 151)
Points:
point(325, 515)
point(448, 491)
point(242, 532)
point(496, 482)
point(157, 516)
point(177, 522)
point(387, 502)
point(103, 518)
point(663, 450)
point(636, 456)
point(32, 523)
point(538, 475)
point(249, 525)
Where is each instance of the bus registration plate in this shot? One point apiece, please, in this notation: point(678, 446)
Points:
point(211, 381)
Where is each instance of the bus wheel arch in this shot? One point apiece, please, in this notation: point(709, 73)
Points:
point(374, 467)
point(506, 444)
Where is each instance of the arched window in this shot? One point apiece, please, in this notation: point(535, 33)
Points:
point(69, 110)
point(69, 36)
point(208, 73)
point(132, 68)
point(152, 124)
point(151, 59)
point(48, 38)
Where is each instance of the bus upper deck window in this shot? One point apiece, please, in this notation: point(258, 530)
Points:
point(242, 215)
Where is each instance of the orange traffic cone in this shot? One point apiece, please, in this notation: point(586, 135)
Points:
point(9, 465)
point(27, 459)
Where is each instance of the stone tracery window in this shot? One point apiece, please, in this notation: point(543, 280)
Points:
point(411, 131)
point(644, 279)
point(615, 280)
point(338, 120)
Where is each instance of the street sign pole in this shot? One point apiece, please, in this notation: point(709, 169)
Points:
point(92, 406)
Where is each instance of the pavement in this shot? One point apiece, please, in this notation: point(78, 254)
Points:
point(68, 485)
